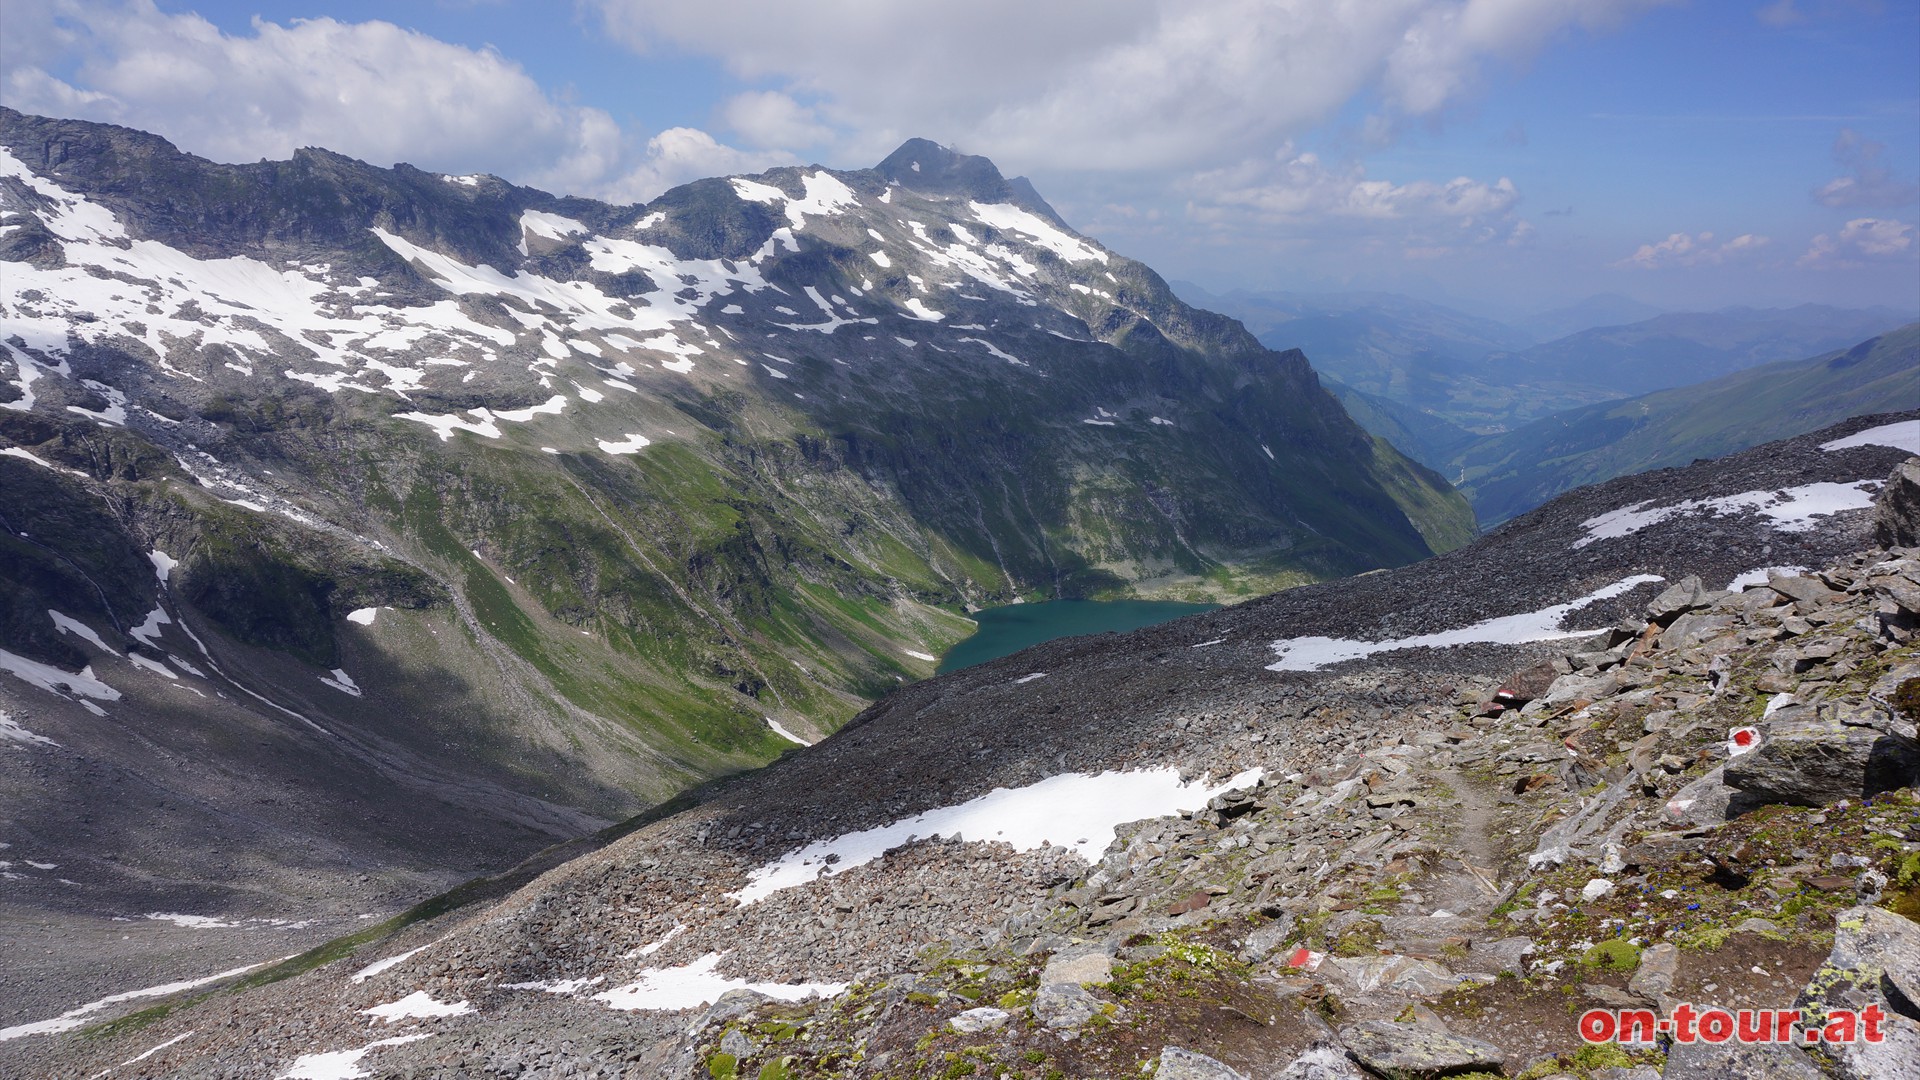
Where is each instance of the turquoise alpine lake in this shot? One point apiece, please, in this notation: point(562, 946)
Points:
point(1006, 630)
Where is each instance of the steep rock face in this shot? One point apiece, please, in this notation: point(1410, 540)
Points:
point(336, 496)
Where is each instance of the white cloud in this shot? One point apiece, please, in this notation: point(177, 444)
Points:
point(371, 90)
point(1868, 183)
point(1439, 56)
point(769, 118)
point(1680, 249)
point(680, 154)
point(1303, 188)
point(1860, 240)
point(1113, 84)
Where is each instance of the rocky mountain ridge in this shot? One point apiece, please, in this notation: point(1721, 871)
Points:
point(368, 528)
point(1512, 758)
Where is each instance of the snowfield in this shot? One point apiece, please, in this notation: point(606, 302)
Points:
point(1072, 810)
point(1903, 435)
point(695, 985)
point(1792, 510)
point(1314, 653)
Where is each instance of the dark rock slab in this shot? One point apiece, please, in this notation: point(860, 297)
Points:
point(1405, 1052)
point(1688, 594)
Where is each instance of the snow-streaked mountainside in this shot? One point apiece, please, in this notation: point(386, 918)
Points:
point(365, 528)
point(1071, 857)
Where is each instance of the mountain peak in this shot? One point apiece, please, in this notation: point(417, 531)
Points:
point(926, 166)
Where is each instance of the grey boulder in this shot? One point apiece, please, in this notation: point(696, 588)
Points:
point(1688, 594)
point(1324, 1060)
point(1735, 1061)
point(1178, 1064)
point(1065, 1006)
point(1405, 1052)
point(1808, 760)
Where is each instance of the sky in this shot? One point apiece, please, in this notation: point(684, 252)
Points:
point(1505, 156)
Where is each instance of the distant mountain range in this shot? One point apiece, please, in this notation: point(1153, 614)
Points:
point(1483, 377)
point(1508, 474)
point(1682, 349)
point(1514, 422)
point(1604, 309)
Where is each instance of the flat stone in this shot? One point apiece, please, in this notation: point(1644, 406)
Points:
point(1697, 628)
point(1404, 1052)
point(1178, 1064)
point(1611, 996)
point(1403, 974)
point(974, 1021)
point(1322, 1061)
point(1687, 594)
point(1653, 979)
point(1734, 1061)
point(1569, 688)
point(1506, 954)
point(1795, 587)
point(1077, 967)
point(1266, 940)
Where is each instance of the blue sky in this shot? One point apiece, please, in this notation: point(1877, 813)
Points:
point(1507, 155)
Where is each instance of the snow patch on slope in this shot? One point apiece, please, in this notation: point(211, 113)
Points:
point(76, 1017)
point(1791, 510)
point(341, 1064)
point(1074, 810)
point(82, 684)
point(1902, 435)
point(1314, 653)
point(695, 985)
point(1009, 218)
point(418, 1005)
point(11, 731)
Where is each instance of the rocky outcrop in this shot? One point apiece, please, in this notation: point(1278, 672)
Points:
point(1875, 964)
point(1896, 516)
